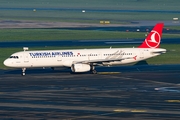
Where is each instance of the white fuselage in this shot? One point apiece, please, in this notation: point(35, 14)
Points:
point(57, 58)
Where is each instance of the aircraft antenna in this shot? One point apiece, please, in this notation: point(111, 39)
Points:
point(25, 48)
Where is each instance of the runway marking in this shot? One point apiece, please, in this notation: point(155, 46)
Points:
point(120, 110)
point(138, 111)
point(110, 113)
point(167, 89)
point(90, 116)
point(128, 78)
point(129, 110)
point(104, 73)
point(106, 111)
point(176, 101)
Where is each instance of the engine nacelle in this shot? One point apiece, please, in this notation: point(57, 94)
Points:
point(80, 67)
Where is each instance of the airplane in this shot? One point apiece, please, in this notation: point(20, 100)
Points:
point(85, 60)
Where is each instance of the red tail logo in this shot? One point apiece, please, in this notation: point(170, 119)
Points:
point(154, 37)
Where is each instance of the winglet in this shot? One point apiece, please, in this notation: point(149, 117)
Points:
point(154, 37)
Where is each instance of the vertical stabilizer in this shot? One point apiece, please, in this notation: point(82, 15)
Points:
point(154, 37)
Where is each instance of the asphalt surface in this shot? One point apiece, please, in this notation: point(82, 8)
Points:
point(126, 92)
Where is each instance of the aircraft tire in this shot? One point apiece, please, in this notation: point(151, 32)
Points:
point(94, 72)
point(23, 74)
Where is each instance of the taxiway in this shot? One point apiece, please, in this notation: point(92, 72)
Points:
point(127, 92)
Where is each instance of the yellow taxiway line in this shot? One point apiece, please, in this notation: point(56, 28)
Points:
point(129, 110)
point(177, 101)
point(105, 73)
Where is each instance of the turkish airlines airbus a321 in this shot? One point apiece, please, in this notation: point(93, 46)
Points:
point(83, 60)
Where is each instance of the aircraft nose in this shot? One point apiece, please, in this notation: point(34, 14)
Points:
point(7, 62)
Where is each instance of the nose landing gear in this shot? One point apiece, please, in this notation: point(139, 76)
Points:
point(23, 71)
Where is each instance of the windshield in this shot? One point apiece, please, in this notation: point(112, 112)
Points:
point(15, 57)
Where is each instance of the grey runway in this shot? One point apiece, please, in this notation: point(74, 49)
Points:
point(131, 92)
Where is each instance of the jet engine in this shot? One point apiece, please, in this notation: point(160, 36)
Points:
point(80, 67)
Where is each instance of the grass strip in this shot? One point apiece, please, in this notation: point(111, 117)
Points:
point(61, 34)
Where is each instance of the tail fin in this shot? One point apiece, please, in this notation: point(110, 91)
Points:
point(154, 37)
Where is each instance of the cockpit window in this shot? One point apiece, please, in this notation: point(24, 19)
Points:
point(15, 57)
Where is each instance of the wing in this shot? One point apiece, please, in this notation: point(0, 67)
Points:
point(102, 60)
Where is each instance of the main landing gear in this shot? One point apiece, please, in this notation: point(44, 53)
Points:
point(93, 71)
point(52, 68)
point(23, 71)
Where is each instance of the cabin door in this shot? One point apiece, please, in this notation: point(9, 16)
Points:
point(141, 54)
point(26, 57)
point(59, 58)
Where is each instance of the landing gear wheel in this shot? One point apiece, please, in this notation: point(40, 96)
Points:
point(23, 74)
point(94, 72)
